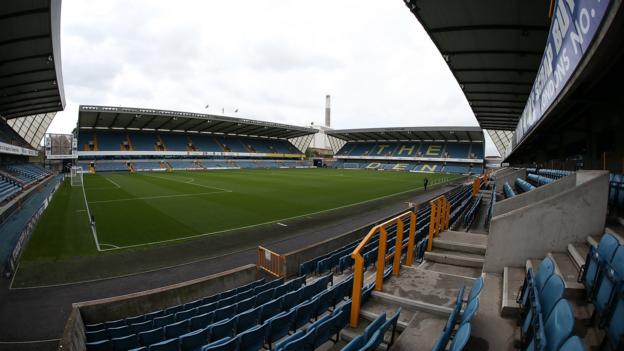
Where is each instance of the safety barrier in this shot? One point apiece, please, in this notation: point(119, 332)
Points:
point(271, 262)
point(440, 217)
point(358, 269)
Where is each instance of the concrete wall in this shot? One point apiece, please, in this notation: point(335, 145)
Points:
point(548, 225)
point(509, 176)
point(538, 194)
point(152, 300)
point(74, 333)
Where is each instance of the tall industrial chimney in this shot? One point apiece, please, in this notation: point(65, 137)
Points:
point(327, 111)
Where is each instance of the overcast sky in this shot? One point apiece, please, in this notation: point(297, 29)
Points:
point(273, 60)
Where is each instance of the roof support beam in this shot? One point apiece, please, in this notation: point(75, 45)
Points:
point(489, 27)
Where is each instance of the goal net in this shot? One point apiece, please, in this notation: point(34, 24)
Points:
point(76, 176)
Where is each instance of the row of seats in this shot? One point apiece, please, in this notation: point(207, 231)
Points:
point(27, 173)
point(508, 190)
point(616, 189)
point(191, 164)
point(374, 333)
point(286, 312)
point(603, 278)
point(402, 149)
point(472, 211)
point(546, 317)
point(523, 186)
point(411, 166)
point(549, 173)
point(458, 329)
point(539, 180)
point(490, 212)
point(9, 188)
point(120, 141)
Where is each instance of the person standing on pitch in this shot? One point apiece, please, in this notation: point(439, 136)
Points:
point(425, 182)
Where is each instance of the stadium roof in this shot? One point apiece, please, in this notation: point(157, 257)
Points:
point(410, 134)
point(493, 48)
point(30, 58)
point(107, 117)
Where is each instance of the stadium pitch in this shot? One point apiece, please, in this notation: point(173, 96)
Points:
point(134, 210)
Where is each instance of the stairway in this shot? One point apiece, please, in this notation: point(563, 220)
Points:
point(459, 249)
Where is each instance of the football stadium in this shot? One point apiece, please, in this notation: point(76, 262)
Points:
point(169, 230)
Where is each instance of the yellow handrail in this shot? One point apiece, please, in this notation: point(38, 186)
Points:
point(440, 217)
point(271, 262)
point(358, 268)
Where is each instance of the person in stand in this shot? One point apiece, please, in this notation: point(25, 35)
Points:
point(426, 181)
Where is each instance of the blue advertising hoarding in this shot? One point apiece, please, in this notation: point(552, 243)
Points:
point(572, 30)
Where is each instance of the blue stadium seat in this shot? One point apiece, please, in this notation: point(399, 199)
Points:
point(367, 291)
point(152, 315)
point(115, 324)
point(224, 313)
point(201, 321)
point(325, 328)
point(270, 309)
point(194, 340)
point(135, 319)
point(95, 326)
point(303, 314)
point(185, 314)
point(461, 338)
point(548, 298)
point(374, 326)
point(615, 322)
point(292, 298)
point(227, 301)
point(390, 324)
point(247, 319)
point(103, 345)
point(174, 309)
point(558, 327)
point(167, 345)
point(303, 343)
point(264, 297)
point(164, 320)
point(355, 344)
point(143, 326)
point(207, 308)
point(476, 288)
point(252, 339)
point(596, 258)
point(98, 335)
point(373, 342)
point(151, 336)
point(210, 299)
point(174, 330)
point(245, 295)
point(278, 326)
point(225, 344)
point(545, 270)
point(470, 311)
point(125, 343)
point(192, 304)
point(119, 332)
point(610, 277)
point(222, 329)
point(325, 300)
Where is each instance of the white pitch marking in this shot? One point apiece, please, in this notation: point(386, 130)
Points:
point(282, 224)
point(81, 210)
point(97, 244)
point(110, 180)
point(192, 179)
point(156, 197)
point(111, 245)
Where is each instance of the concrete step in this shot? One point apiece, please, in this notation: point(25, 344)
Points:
point(462, 242)
point(566, 268)
point(470, 272)
point(578, 253)
point(457, 258)
point(513, 277)
point(376, 306)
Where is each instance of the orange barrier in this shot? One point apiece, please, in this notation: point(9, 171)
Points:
point(358, 267)
point(271, 262)
point(440, 217)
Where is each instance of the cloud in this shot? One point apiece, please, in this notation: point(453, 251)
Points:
point(272, 60)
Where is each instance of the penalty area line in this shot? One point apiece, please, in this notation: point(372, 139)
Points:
point(189, 182)
point(115, 184)
point(156, 197)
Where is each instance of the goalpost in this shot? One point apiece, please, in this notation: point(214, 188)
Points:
point(76, 176)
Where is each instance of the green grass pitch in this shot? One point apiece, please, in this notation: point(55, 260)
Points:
point(134, 210)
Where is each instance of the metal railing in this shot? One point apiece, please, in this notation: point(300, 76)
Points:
point(358, 269)
point(440, 217)
point(271, 262)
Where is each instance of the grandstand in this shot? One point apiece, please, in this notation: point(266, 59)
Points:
point(529, 256)
point(425, 149)
point(131, 139)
